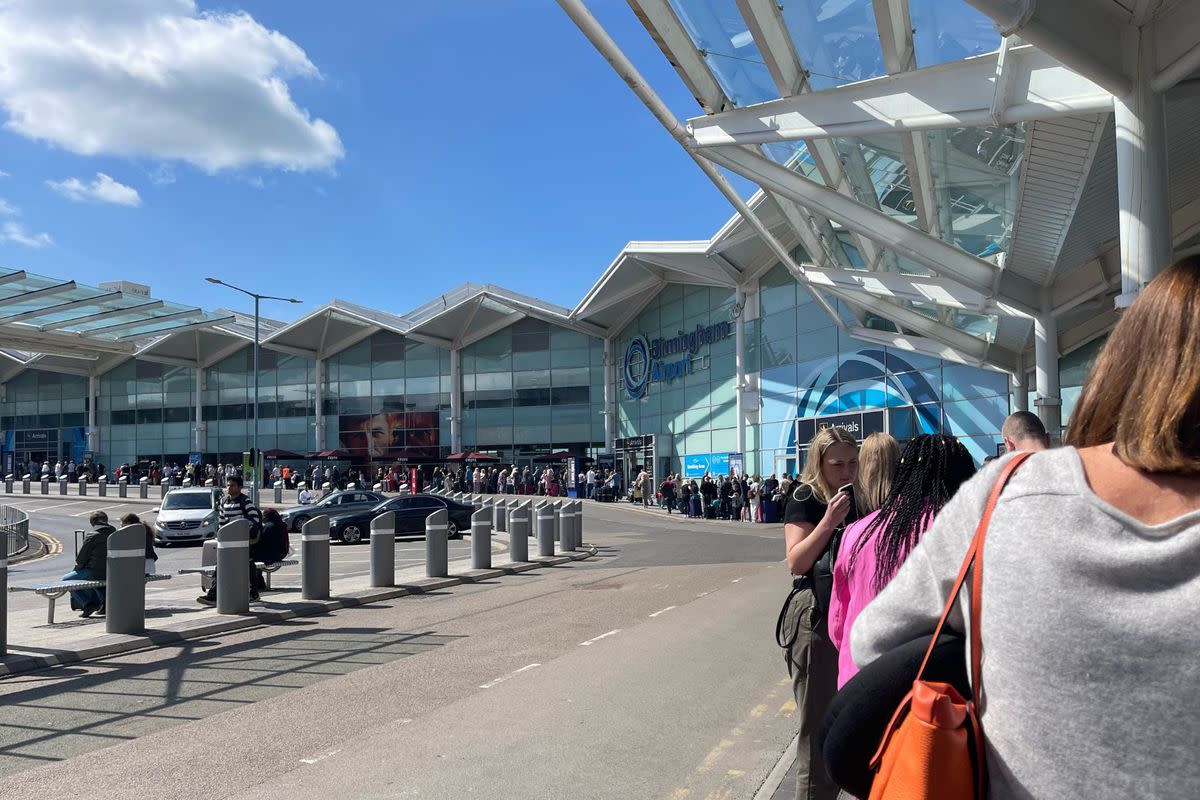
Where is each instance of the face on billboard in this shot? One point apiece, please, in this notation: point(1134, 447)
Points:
point(386, 434)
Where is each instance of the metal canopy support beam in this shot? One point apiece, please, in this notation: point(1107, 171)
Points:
point(200, 427)
point(940, 256)
point(319, 406)
point(638, 289)
point(1142, 198)
point(1093, 49)
point(610, 394)
point(60, 307)
point(1087, 331)
point(1177, 42)
point(658, 18)
point(101, 315)
point(1049, 400)
point(600, 39)
point(93, 431)
point(13, 277)
point(206, 323)
point(492, 327)
point(349, 341)
point(143, 321)
point(739, 360)
point(951, 95)
point(34, 294)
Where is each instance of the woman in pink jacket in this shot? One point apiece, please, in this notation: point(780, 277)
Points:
point(931, 469)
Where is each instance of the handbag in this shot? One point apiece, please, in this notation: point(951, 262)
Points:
point(932, 748)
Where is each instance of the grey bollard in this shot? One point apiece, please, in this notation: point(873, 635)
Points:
point(144, 488)
point(62, 486)
point(122, 488)
point(278, 492)
point(83, 487)
point(481, 539)
point(577, 525)
point(383, 549)
point(314, 559)
point(164, 486)
point(566, 516)
point(125, 594)
point(500, 516)
point(437, 548)
point(25, 485)
point(233, 567)
point(102, 486)
point(208, 558)
point(45, 485)
point(518, 532)
point(326, 488)
point(545, 528)
point(187, 483)
point(8, 483)
point(208, 483)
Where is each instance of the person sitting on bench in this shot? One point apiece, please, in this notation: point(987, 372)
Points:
point(272, 545)
point(91, 564)
point(151, 556)
point(236, 505)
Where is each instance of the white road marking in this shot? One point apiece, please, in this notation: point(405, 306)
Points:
point(56, 505)
point(503, 678)
point(321, 757)
point(98, 508)
point(703, 594)
point(601, 636)
point(735, 580)
point(663, 611)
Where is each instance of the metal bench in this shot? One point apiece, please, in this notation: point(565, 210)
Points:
point(53, 591)
point(266, 568)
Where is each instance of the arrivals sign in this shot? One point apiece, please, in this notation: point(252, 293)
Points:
point(664, 359)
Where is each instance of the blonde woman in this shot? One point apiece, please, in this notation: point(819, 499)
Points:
point(821, 503)
point(877, 462)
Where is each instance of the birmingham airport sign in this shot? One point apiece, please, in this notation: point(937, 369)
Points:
point(654, 361)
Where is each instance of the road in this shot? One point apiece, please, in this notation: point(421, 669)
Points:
point(649, 671)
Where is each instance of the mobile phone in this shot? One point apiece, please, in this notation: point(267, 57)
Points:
point(848, 489)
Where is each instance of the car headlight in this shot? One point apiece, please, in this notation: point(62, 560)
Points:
point(210, 519)
point(160, 525)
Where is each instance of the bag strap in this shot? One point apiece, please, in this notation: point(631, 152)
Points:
point(972, 559)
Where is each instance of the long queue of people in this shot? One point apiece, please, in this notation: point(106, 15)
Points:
point(1071, 643)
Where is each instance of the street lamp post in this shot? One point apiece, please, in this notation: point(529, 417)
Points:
point(254, 434)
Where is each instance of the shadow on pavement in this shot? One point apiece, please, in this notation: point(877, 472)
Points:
point(71, 710)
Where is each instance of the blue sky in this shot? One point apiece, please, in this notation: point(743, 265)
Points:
point(460, 141)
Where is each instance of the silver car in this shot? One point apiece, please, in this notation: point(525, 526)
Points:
point(187, 515)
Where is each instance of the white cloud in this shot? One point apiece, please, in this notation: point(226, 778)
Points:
point(158, 79)
point(15, 232)
point(8, 209)
point(102, 190)
point(3, 174)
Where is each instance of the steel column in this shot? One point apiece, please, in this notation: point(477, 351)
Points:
point(1049, 400)
point(610, 398)
point(456, 400)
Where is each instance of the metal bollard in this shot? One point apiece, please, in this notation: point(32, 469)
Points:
point(123, 488)
point(278, 492)
point(164, 486)
point(233, 567)
point(383, 549)
point(518, 532)
point(545, 528)
point(125, 594)
point(62, 486)
point(45, 485)
point(566, 516)
point(208, 483)
point(577, 525)
point(144, 488)
point(437, 549)
point(500, 516)
point(187, 483)
point(481, 539)
point(25, 485)
point(83, 487)
point(326, 488)
point(8, 483)
point(314, 559)
point(102, 486)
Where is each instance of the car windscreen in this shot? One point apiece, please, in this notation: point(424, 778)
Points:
point(180, 501)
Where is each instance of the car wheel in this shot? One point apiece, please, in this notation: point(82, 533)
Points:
point(352, 534)
point(452, 531)
point(298, 523)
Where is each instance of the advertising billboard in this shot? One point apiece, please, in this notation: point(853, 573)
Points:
point(390, 436)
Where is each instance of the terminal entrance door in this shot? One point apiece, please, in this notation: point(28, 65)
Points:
point(633, 454)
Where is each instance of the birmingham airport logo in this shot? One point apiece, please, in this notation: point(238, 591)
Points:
point(644, 364)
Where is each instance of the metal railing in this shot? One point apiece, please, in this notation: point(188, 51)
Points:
point(15, 524)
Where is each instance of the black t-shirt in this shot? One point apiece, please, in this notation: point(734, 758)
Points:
point(803, 506)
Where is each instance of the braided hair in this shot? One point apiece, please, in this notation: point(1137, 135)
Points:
point(931, 469)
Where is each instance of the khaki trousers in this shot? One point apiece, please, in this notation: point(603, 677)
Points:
point(812, 663)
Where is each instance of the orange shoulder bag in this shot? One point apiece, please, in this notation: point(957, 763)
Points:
point(933, 747)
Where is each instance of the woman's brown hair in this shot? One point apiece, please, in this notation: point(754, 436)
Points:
point(1143, 394)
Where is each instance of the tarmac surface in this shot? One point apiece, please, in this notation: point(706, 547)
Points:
point(647, 671)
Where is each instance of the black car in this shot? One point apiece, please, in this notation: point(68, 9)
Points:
point(355, 527)
point(333, 503)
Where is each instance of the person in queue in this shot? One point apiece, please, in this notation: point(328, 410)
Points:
point(91, 564)
point(1023, 430)
point(236, 505)
point(821, 503)
point(877, 460)
point(1090, 577)
point(930, 471)
point(151, 556)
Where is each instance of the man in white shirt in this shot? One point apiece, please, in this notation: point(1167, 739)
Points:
point(306, 496)
point(589, 483)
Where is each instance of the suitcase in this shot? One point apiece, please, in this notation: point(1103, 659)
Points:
point(710, 511)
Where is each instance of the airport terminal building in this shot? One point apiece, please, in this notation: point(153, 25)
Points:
point(946, 227)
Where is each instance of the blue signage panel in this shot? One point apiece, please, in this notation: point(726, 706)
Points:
point(713, 463)
point(664, 359)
